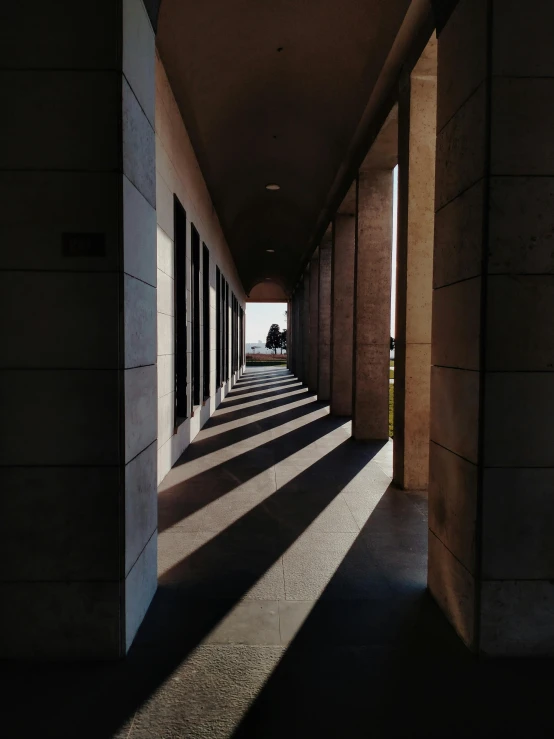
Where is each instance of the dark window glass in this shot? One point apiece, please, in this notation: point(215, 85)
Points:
point(217, 327)
point(227, 332)
point(206, 318)
point(180, 301)
point(195, 248)
point(242, 338)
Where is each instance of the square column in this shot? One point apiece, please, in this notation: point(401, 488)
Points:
point(289, 335)
point(299, 331)
point(306, 327)
point(296, 326)
point(372, 305)
point(324, 317)
point(414, 275)
point(491, 502)
point(78, 383)
point(342, 316)
point(314, 323)
point(292, 334)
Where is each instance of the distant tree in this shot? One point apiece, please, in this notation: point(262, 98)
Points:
point(283, 340)
point(273, 340)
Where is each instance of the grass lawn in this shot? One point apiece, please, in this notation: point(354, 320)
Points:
point(391, 410)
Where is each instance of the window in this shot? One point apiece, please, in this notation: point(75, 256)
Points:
point(235, 364)
point(222, 329)
point(195, 244)
point(217, 327)
point(223, 334)
point(242, 339)
point(206, 319)
point(180, 301)
point(227, 336)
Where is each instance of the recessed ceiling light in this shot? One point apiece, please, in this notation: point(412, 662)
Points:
point(272, 186)
point(270, 251)
point(268, 278)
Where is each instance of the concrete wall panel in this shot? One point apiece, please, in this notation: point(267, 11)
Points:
point(458, 236)
point(512, 437)
point(457, 312)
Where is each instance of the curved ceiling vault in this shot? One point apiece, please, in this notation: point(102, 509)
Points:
point(272, 92)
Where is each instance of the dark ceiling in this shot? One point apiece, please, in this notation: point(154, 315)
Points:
point(271, 91)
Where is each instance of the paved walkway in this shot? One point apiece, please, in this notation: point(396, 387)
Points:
point(292, 603)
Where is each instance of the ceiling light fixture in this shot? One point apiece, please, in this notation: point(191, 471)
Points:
point(270, 251)
point(273, 186)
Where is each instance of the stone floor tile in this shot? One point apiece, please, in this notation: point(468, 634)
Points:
point(363, 505)
point(275, 616)
point(249, 622)
point(337, 566)
point(225, 511)
point(292, 615)
point(216, 571)
point(314, 542)
point(294, 510)
point(352, 622)
point(207, 695)
point(174, 546)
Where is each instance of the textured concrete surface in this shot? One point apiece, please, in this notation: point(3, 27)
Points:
point(306, 328)
point(370, 412)
point(82, 355)
point(291, 602)
point(298, 330)
point(342, 313)
point(324, 299)
point(492, 387)
point(313, 370)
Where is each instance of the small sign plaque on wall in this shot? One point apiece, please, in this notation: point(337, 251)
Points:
point(83, 245)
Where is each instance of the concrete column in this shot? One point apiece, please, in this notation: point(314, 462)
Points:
point(414, 274)
point(491, 502)
point(299, 331)
point(372, 305)
point(289, 335)
point(314, 323)
point(342, 306)
point(78, 376)
point(324, 320)
point(306, 327)
point(298, 340)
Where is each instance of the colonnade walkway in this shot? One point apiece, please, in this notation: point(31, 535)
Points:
point(291, 602)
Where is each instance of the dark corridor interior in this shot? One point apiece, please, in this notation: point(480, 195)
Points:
point(292, 602)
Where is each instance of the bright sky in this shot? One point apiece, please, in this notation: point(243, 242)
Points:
point(260, 316)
